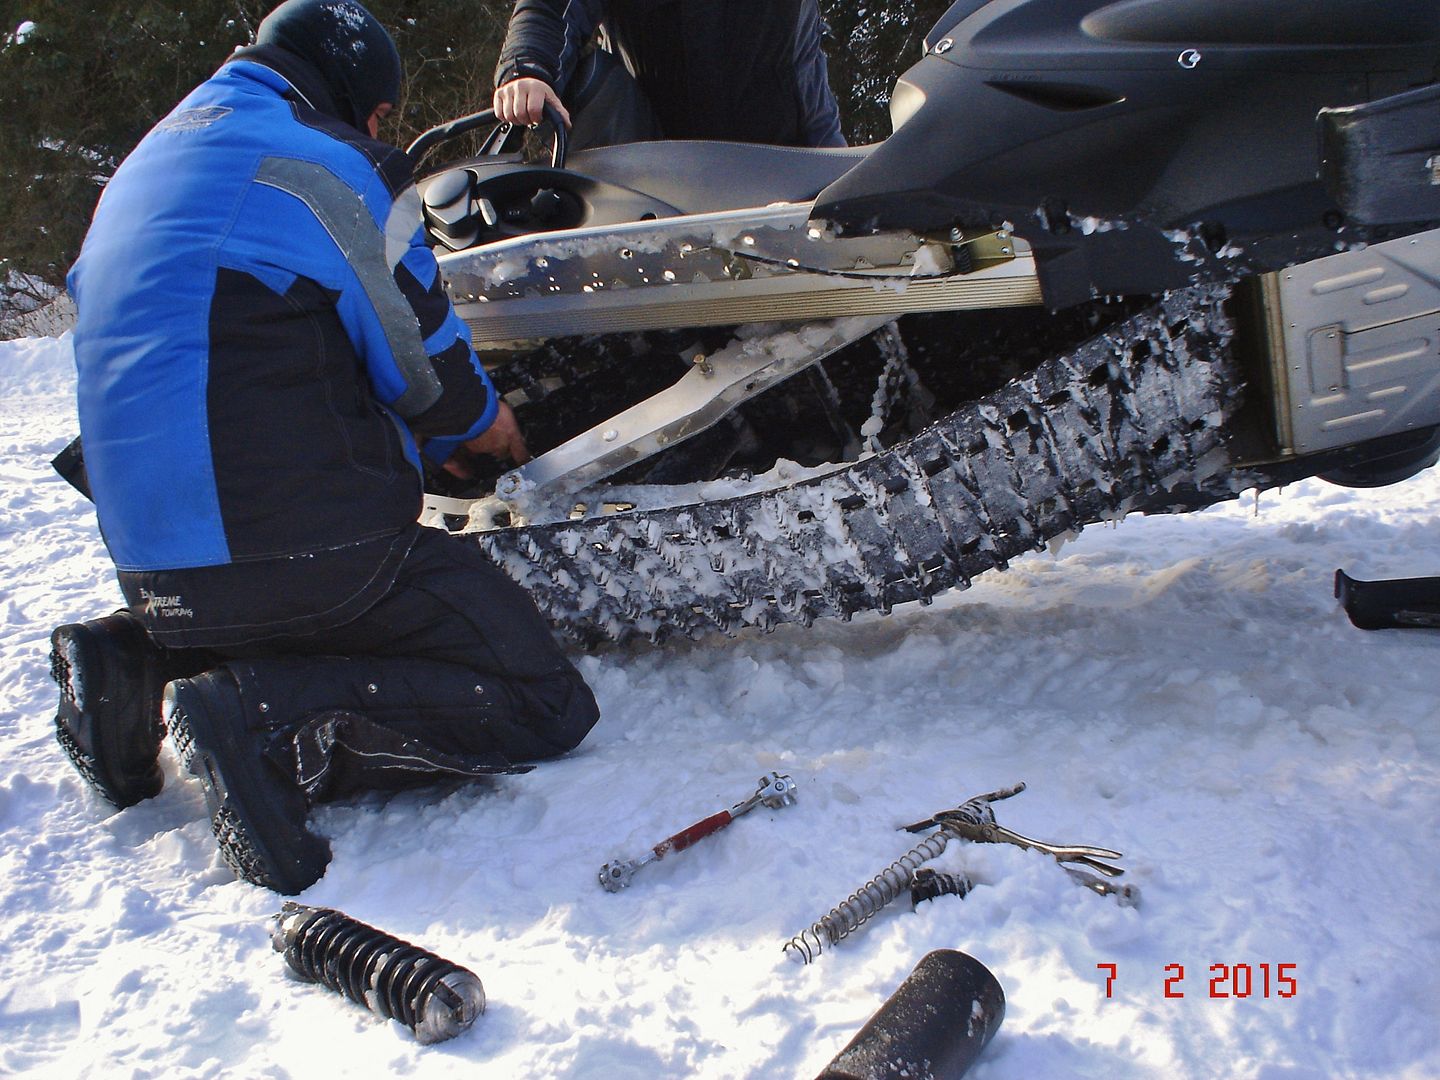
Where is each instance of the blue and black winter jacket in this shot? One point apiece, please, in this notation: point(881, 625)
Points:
point(262, 337)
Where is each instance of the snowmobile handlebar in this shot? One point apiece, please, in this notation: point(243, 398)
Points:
point(453, 129)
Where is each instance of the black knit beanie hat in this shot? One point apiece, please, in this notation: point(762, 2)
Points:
point(353, 53)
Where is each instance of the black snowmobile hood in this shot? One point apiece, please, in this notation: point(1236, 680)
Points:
point(1073, 120)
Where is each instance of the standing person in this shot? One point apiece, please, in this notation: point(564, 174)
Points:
point(263, 344)
point(734, 70)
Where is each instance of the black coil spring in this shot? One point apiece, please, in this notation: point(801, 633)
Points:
point(388, 976)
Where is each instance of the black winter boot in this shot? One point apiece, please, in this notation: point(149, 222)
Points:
point(257, 808)
point(111, 677)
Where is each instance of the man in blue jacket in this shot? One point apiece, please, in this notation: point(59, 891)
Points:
point(735, 70)
point(264, 349)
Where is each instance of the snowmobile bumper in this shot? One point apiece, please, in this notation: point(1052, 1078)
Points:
point(766, 264)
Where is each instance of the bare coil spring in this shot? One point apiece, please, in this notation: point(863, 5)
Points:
point(396, 980)
point(865, 903)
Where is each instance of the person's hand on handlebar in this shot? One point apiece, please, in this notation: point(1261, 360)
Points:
point(523, 100)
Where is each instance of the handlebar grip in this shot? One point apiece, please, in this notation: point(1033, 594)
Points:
point(562, 136)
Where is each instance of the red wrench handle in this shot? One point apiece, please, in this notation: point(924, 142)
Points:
point(701, 829)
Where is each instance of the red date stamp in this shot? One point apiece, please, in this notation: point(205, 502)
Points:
point(1225, 980)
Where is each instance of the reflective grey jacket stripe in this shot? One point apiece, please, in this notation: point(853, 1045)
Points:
point(346, 218)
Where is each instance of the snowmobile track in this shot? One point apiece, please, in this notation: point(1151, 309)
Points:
point(1133, 418)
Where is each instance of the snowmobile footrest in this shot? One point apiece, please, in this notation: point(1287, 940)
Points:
point(1402, 603)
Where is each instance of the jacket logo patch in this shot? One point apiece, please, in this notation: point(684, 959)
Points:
point(194, 119)
point(165, 607)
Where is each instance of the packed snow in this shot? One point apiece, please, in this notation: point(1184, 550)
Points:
point(1184, 690)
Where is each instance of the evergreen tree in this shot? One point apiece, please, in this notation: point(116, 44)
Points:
point(869, 45)
point(78, 88)
point(81, 83)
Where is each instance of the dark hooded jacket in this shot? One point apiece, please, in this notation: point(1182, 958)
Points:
point(734, 70)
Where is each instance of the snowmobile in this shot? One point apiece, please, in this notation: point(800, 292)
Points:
point(1116, 257)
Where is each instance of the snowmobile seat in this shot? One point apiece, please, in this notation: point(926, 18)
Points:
point(500, 197)
point(705, 177)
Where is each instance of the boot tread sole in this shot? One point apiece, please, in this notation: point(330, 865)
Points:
point(289, 866)
point(111, 783)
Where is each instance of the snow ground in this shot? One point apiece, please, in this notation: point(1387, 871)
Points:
point(1184, 690)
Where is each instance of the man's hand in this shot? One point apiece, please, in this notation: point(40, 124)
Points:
point(502, 439)
point(522, 101)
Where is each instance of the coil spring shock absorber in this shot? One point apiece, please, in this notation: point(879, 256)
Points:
point(434, 998)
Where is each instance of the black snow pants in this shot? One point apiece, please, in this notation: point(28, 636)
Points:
point(453, 672)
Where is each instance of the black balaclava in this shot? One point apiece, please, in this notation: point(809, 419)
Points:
point(354, 54)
